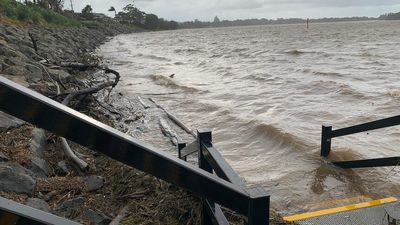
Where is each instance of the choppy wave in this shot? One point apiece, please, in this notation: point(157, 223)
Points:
point(240, 49)
point(190, 51)
point(321, 73)
point(298, 52)
point(281, 138)
point(346, 90)
point(262, 77)
point(327, 87)
point(169, 82)
point(153, 57)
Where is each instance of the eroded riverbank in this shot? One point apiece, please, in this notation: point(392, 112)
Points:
point(35, 170)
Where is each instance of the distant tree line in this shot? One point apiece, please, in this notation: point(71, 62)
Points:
point(390, 16)
point(249, 22)
point(130, 14)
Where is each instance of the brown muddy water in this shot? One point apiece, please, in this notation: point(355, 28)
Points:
point(265, 91)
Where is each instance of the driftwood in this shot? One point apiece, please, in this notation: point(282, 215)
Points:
point(91, 90)
point(108, 109)
point(68, 151)
point(84, 67)
point(175, 120)
point(136, 195)
point(86, 91)
point(168, 132)
point(144, 104)
point(79, 66)
point(121, 215)
point(34, 42)
point(83, 92)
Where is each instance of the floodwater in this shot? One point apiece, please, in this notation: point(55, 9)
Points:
point(265, 91)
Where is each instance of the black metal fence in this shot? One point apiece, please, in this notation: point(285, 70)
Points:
point(228, 191)
point(328, 134)
point(12, 213)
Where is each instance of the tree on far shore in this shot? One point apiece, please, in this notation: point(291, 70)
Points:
point(112, 9)
point(87, 12)
point(132, 15)
point(390, 16)
point(151, 22)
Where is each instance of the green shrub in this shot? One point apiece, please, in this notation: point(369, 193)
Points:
point(37, 18)
point(34, 14)
point(8, 9)
point(23, 13)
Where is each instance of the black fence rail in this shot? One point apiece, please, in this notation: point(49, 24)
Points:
point(328, 134)
point(212, 161)
point(229, 192)
point(12, 213)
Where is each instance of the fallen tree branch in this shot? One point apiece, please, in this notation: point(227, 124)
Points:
point(143, 103)
point(34, 43)
point(168, 132)
point(84, 67)
point(91, 90)
point(136, 195)
point(121, 215)
point(87, 91)
point(108, 109)
point(175, 120)
point(68, 151)
point(79, 66)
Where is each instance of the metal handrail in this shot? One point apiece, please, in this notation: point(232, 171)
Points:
point(15, 213)
point(212, 161)
point(220, 166)
point(43, 112)
point(378, 124)
point(326, 141)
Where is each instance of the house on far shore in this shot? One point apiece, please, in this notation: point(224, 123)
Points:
point(94, 16)
point(101, 16)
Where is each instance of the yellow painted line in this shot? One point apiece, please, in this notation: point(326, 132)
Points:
point(337, 202)
point(325, 212)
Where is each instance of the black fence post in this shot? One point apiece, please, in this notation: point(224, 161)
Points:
point(258, 211)
point(326, 137)
point(204, 136)
point(181, 145)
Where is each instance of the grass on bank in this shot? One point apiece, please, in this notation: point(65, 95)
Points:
point(34, 15)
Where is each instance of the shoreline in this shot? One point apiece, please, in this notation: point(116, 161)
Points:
point(115, 182)
point(48, 184)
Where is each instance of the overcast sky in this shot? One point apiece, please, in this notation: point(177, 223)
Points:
point(187, 10)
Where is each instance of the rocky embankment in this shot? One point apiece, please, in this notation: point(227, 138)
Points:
point(33, 167)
